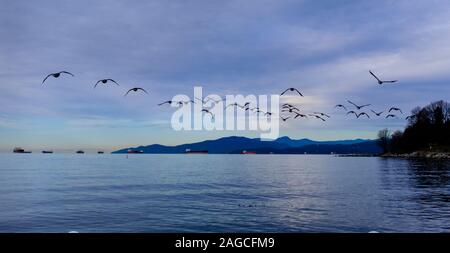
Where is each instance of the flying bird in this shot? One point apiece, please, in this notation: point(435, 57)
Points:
point(391, 116)
point(291, 89)
point(300, 115)
point(340, 106)
point(350, 112)
point(284, 119)
point(235, 104)
point(395, 109)
point(207, 111)
point(178, 102)
point(317, 116)
point(291, 109)
point(322, 114)
point(268, 113)
point(379, 80)
point(56, 75)
point(136, 89)
point(104, 81)
point(377, 113)
point(363, 113)
point(410, 117)
point(358, 106)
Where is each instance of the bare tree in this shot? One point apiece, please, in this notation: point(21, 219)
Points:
point(383, 139)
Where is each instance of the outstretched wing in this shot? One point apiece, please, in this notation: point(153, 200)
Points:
point(65, 72)
point(393, 81)
point(298, 92)
point(46, 78)
point(127, 92)
point(113, 81)
point(143, 90)
point(365, 105)
point(97, 83)
point(378, 79)
point(165, 102)
point(352, 103)
point(284, 92)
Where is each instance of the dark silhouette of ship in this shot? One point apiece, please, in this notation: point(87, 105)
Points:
point(189, 151)
point(100, 152)
point(47, 152)
point(20, 150)
point(80, 152)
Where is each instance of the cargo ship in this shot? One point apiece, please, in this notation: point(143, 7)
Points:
point(80, 152)
point(100, 152)
point(188, 151)
point(47, 152)
point(21, 151)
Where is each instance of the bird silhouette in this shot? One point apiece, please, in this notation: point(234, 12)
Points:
point(391, 116)
point(317, 116)
point(377, 113)
point(104, 81)
point(136, 89)
point(358, 106)
point(381, 81)
point(177, 102)
point(411, 117)
point(56, 75)
point(341, 106)
point(290, 109)
point(350, 112)
point(363, 113)
point(291, 89)
point(207, 111)
point(300, 115)
point(284, 119)
point(322, 114)
point(395, 109)
point(235, 105)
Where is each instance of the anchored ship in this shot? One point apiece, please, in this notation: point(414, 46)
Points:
point(21, 151)
point(189, 151)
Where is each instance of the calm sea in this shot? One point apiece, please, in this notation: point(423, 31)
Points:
point(222, 193)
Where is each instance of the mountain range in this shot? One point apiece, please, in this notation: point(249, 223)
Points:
point(282, 145)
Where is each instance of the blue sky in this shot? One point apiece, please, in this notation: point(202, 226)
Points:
point(324, 48)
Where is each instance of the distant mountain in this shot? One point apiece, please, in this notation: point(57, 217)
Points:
point(283, 145)
point(306, 142)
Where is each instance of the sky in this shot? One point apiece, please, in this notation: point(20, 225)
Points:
point(323, 48)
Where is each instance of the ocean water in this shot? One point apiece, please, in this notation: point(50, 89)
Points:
point(222, 193)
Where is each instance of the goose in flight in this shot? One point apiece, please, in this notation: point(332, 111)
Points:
point(235, 104)
point(395, 109)
point(379, 80)
point(136, 89)
point(363, 113)
point(178, 102)
point(350, 112)
point(300, 115)
point(322, 114)
point(207, 111)
point(291, 109)
point(391, 116)
point(341, 106)
point(268, 113)
point(358, 106)
point(411, 117)
point(317, 116)
point(291, 89)
point(284, 119)
point(377, 113)
point(56, 75)
point(104, 81)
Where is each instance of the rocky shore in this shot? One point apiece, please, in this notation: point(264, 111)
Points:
point(420, 154)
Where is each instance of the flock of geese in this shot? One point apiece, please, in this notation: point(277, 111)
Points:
point(293, 111)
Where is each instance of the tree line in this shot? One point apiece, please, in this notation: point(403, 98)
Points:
point(428, 129)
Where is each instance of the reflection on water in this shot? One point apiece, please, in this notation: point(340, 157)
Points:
point(234, 193)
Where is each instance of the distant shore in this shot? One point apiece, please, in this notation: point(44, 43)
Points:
point(417, 154)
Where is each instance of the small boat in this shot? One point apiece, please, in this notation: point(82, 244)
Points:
point(47, 152)
point(188, 151)
point(21, 151)
point(100, 152)
point(80, 152)
point(245, 152)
